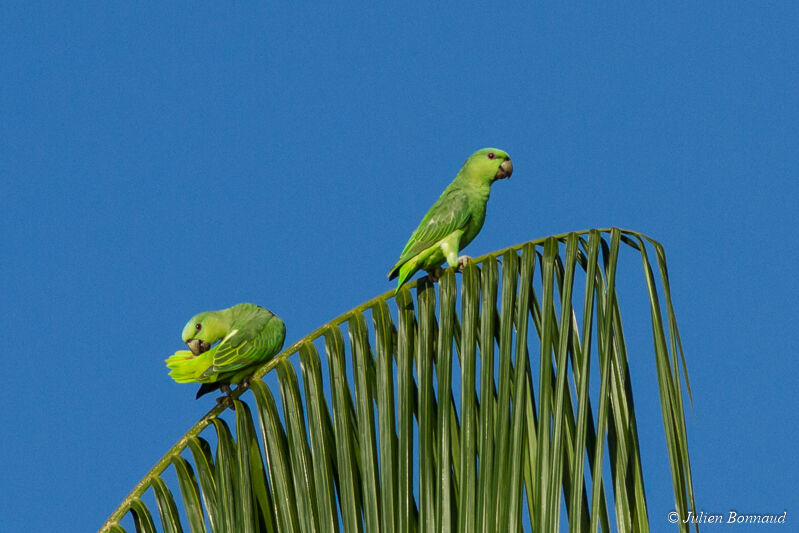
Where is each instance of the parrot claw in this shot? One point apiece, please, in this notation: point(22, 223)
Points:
point(463, 261)
point(226, 399)
point(244, 384)
point(222, 400)
point(435, 274)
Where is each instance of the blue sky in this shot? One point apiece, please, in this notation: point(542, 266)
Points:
point(160, 160)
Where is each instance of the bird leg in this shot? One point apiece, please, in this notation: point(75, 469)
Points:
point(435, 274)
point(463, 261)
point(244, 384)
point(226, 398)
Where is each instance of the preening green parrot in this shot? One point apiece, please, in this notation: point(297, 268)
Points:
point(250, 335)
point(455, 219)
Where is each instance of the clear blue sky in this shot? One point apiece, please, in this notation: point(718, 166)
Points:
point(157, 161)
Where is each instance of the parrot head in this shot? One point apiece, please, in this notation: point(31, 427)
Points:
point(202, 331)
point(488, 165)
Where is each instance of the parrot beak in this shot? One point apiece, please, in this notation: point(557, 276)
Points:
point(197, 346)
point(504, 170)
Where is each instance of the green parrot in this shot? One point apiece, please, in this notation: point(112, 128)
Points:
point(250, 335)
point(455, 219)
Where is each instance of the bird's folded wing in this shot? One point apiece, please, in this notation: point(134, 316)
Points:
point(249, 342)
point(448, 214)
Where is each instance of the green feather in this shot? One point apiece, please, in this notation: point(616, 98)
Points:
point(248, 335)
point(454, 220)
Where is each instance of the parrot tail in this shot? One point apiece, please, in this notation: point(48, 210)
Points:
point(205, 388)
point(405, 271)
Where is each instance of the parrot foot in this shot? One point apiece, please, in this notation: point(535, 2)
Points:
point(463, 261)
point(226, 399)
point(222, 400)
point(435, 274)
point(244, 384)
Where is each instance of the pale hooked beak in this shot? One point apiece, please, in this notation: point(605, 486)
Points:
point(504, 170)
point(197, 346)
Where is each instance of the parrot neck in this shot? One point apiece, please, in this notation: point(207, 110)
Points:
point(477, 187)
point(220, 324)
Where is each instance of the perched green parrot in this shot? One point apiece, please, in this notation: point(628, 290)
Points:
point(455, 219)
point(250, 335)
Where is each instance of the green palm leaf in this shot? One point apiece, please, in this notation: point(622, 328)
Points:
point(401, 442)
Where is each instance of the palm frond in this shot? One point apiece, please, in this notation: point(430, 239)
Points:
point(466, 408)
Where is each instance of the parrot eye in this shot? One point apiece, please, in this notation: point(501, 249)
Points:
point(198, 327)
point(491, 155)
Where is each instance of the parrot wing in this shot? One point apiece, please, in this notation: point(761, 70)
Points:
point(450, 213)
point(249, 342)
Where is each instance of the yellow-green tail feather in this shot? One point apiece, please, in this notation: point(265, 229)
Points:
point(406, 271)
